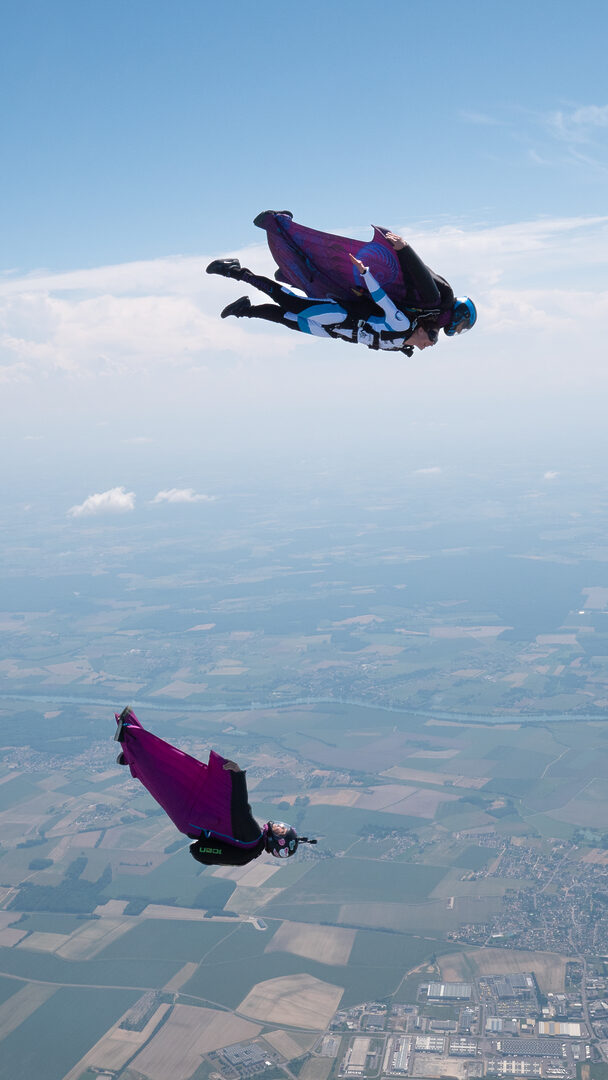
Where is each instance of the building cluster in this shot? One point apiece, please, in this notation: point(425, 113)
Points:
point(500, 1025)
point(565, 909)
point(243, 1060)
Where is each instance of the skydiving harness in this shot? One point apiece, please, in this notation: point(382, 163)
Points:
point(374, 338)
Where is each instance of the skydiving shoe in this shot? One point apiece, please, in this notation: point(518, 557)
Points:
point(225, 268)
point(122, 720)
point(120, 760)
point(238, 308)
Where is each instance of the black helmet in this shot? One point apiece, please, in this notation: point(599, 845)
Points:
point(280, 839)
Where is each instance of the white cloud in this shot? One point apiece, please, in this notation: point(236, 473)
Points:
point(114, 501)
point(122, 319)
point(550, 475)
point(181, 495)
point(432, 470)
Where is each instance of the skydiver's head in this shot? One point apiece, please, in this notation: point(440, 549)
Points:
point(423, 336)
point(464, 316)
point(281, 840)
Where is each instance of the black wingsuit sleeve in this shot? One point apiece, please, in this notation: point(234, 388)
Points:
point(428, 290)
point(244, 826)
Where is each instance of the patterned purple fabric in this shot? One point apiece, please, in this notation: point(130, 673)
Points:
point(195, 796)
point(319, 263)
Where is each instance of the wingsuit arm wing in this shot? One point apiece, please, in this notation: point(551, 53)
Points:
point(421, 278)
point(246, 828)
point(214, 848)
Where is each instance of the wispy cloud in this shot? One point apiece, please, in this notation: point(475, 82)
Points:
point(580, 124)
point(114, 501)
point(581, 134)
point(431, 470)
point(479, 119)
point(550, 475)
point(181, 495)
point(568, 136)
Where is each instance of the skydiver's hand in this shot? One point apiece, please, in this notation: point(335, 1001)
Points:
point(397, 241)
point(360, 267)
point(231, 766)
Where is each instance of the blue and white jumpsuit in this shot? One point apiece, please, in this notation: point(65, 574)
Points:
point(327, 318)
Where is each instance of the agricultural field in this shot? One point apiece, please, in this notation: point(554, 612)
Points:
point(103, 903)
point(296, 1000)
point(549, 969)
point(329, 944)
point(189, 1033)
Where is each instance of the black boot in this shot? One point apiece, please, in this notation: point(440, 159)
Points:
point(262, 219)
point(238, 308)
point(225, 268)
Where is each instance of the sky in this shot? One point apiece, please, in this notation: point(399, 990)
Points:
point(141, 137)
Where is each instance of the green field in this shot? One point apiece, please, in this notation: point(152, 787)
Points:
point(179, 880)
point(16, 790)
point(374, 970)
point(48, 1043)
point(146, 973)
point(8, 987)
point(362, 879)
point(49, 922)
point(433, 917)
point(169, 940)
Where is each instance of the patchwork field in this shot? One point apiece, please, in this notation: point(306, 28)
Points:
point(317, 1069)
point(117, 1046)
point(189, 1033)
point(22, 1004)
point(398, 772)
point(549, 968)
point(296, 1000)
point(290, 1044)
point(329, 944)
point(398, 866)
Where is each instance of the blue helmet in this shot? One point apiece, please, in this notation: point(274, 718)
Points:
point(464, 316)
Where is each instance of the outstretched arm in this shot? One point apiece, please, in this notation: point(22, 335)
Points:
point(395, 319)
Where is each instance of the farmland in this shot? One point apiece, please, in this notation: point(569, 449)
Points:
point(452, 771)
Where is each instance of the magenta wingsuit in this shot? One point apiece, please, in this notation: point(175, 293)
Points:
point(206, 802)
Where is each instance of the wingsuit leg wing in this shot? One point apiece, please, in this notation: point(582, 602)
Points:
point(194, 795)
point(319, 263)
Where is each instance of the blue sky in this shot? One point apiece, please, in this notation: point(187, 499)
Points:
point(142, 137)
point(139, 128)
